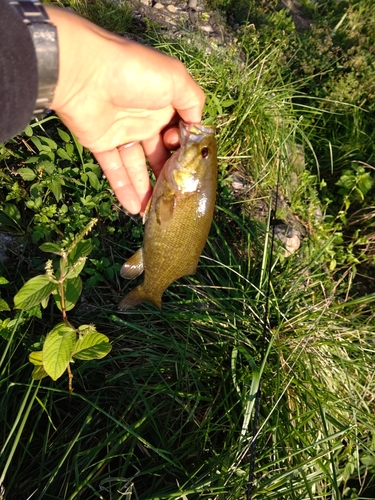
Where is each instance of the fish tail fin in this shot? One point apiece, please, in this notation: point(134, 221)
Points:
point(136, 297)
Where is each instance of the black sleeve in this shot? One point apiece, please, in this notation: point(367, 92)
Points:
point(18, 73)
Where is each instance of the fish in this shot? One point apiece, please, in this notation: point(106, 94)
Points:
point(178, 217)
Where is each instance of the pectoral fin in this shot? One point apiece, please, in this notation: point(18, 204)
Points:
point(147, 211)
point(133, 267)
point(164, 208)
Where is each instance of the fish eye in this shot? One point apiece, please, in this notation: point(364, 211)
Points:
point(204, 152)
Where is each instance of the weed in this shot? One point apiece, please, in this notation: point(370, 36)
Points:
point(169, 413)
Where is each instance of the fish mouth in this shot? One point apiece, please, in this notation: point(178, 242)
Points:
point(194, 132)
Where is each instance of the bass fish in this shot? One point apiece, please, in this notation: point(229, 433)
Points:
point(178, 217)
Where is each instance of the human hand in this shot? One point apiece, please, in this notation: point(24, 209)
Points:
point(112, 91)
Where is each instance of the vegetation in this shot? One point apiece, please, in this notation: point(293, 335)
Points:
point(169, 411)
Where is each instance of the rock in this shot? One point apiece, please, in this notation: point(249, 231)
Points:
point(289, 237)
point(8, 242)
point(145, 2)
point(172, 8)
point(158, 5)
point(192, 4)
point(207, 28)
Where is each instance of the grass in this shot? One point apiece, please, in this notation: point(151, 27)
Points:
point(169, 412)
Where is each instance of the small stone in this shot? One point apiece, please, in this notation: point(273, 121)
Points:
point(145, 2)
point(207, 29)
point(289, 237)
point(192, 4)
point(172, 8)
point(158, 5)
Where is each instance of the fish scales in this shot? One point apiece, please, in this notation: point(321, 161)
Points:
point(179, 218)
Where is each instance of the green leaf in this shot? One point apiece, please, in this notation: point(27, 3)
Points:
point(12, 211)
point(51, 248)
point(35, 312)
point(3, 305)
point(9, 224)
point(76, 268)
point(63, 154)
point(33, 292)
point(49, 142)
point(92, 345)
point(80, 249)
point(365, 182)
point(47, 166)
point(72, 292)
point(38, 373)
point(228, 102)
point(94, 181)
point(78, 145)
point(28, 131)
point(36, 358)
point(105, 209)
point(94, 167)
point(3, 281)
point(57, 350)
point(36, 141)
point(44, 302)
point(27, 174)
point(32, 159)
point(64, 135)
point(55, 187)
point(69, 148)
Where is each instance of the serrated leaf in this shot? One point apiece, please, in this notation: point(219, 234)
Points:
point(51, 248)
point(105, 209)
point(27, 174)
point(47, 166)
point(3, 281)
point(35, 312)
point(79, 250)
point(92, 345)
point(63, 135)
point(75, 270)
point(94, 181)
point(38, 373)
point(33, 292)
point(365, 182)
point(36, 358)
point(55, 187)
point(72, 292)
point(57, 350)
point(4, 305)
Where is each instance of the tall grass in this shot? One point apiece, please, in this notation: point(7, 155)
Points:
point(169, 413)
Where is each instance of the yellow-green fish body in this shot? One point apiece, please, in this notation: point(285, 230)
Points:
point(179, 218)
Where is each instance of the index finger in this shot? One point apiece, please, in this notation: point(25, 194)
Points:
point(189, 98)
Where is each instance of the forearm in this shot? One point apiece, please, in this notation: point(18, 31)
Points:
point(18, 73)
